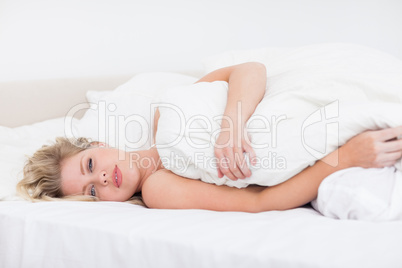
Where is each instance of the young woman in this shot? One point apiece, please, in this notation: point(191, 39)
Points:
point(83, 170)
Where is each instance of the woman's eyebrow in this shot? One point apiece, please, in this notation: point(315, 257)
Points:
point(81, 166)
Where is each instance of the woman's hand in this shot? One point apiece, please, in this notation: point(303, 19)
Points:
point(373, 149)
point(247, 83)
point(230, 147)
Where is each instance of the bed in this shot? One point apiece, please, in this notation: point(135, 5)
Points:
point(111, 234)
point(107, 234)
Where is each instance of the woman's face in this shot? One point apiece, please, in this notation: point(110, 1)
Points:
point(99, 172)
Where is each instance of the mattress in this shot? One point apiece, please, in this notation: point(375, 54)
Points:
point(111, 234)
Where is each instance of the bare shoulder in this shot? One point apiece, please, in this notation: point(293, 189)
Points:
point(164, 189)
point(159, 187)
point(157, 180)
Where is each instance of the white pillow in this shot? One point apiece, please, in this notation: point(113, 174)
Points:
point(95, 96)
point(361, 194)
point(16, 144)
point(146, 84)
point(122, 118)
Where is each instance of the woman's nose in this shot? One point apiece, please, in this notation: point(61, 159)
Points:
point(103, 178)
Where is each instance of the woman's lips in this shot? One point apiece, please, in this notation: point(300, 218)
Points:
point(117, 177)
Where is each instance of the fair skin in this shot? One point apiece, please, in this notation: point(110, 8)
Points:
point(162, 189)
point(92, 172)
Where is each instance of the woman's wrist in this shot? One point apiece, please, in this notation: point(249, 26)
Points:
point(338, 159)
point(344, 159)
point(233, 118)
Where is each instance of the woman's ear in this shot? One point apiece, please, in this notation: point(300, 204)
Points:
point(98, 144)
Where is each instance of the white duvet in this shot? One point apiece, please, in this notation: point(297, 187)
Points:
point(317, 98)
point(373, 194)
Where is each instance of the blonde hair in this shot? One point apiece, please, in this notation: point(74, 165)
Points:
point(42, 172)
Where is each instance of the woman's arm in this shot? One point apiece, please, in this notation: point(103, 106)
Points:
point(167, 190)
point(370, 149)
point(247, 84)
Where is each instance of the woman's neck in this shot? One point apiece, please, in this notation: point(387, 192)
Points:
point(148, 162)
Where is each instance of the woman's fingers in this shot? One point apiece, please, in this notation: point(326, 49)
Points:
point(223, 165)
point(229, 152)
point(241, 163)
point(389, 149)
point(387, 164)
point(377, 148)
point(251, 153)
point(388, 133)
point(231, 156)
point(232, 163)
point(392, 146)
point(220, 174)
point(387, 157)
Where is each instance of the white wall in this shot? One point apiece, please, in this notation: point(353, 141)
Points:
point(75, 38)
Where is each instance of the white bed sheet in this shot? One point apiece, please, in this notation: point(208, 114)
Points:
point(109, 234)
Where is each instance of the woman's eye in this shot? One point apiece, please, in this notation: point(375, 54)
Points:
point(93, 192)
point(90, 164)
